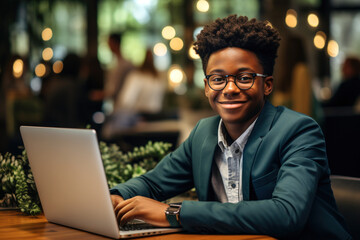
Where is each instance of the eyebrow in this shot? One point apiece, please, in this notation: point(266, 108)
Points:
point(222, 71)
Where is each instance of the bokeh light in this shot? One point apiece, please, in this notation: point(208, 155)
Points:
point(313, 20)
point(202, 6)
point(35, 84)
point(176, 44)
point(47, 54)
point(291, 18)
point(160, 49)
point(98, 117)
point(192, 53)
point(58, 66)
point(333, 48)
point(168, 32)
point(47, 34)
point(40, 70)
point(320, 40)
point(18, 68)
point(176, 75)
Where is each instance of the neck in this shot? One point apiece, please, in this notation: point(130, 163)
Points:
point(234, 131)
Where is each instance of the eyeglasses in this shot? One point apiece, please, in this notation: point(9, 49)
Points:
point(243, 81)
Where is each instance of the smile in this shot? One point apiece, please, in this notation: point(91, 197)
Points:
point(231, 104)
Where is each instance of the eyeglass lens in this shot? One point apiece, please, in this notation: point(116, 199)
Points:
point(243, 81)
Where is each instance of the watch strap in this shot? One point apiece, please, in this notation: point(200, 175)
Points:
point(173, 217)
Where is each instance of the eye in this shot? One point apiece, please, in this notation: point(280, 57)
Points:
point(244, 77)
point(217, 79)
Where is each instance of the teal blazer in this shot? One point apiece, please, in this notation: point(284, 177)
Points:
point(286, 186)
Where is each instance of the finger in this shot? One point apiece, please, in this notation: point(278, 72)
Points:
point(116, 199)
point(123, 208)
point(128, 216)
point(122, 204)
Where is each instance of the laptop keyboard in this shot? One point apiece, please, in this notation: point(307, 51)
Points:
point(136, 226)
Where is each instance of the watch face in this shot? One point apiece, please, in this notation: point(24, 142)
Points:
point(178, 205)
point(173, 210)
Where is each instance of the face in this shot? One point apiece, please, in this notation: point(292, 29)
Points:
point(237, 106)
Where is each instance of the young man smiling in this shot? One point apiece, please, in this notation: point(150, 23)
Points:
point(256, 168)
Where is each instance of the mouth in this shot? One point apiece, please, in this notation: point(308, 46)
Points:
point(231, 104)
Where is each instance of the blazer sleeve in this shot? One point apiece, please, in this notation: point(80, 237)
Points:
point(171, 176)
point(295, 159)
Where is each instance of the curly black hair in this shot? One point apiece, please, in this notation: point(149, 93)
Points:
point(256, 36)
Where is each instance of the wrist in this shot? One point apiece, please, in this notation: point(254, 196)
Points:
point(172, 214)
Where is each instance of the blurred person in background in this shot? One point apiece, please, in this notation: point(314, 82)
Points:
point(115, 77)
point(63, 94)
point(348, 92)
point(295, 90)
point(143, 90)
point(92, 85)
point(140, 99)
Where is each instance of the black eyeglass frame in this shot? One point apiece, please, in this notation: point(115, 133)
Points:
point(254, 75)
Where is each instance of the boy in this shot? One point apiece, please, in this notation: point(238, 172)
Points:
point(257, 169)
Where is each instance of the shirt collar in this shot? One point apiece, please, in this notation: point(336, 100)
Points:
point(240, 141)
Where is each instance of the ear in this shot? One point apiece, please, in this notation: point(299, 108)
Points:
point(206, 87)
point(268, 85)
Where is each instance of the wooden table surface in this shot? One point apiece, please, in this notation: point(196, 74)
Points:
point(16, 225)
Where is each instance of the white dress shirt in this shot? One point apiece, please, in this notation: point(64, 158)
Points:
point(227, 174)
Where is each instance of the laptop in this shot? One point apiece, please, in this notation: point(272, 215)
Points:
point(71, 181)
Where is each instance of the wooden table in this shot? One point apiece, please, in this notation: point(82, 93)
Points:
point(16, 225)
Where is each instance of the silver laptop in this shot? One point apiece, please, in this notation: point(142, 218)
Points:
point(71, 181)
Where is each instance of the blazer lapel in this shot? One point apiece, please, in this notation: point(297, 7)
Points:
point(261, 128)
point(206, 157)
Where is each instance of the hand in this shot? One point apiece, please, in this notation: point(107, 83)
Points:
point(146, 209)
point(116, 199)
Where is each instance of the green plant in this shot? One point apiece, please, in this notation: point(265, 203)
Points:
point(18, 186)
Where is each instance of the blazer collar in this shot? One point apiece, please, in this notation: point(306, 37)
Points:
point(262, 126)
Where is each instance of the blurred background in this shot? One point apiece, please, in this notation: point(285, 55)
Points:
point(127, 69)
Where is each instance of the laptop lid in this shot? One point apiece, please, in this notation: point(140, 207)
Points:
point(71, 181)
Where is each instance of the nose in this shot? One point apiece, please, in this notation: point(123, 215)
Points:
point(231, 88)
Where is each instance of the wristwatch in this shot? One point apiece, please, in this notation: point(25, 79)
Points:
point(172, 214)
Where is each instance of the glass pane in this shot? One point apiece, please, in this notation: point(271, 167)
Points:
point(69, 31)
point(345, 2)
point(345, 30)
